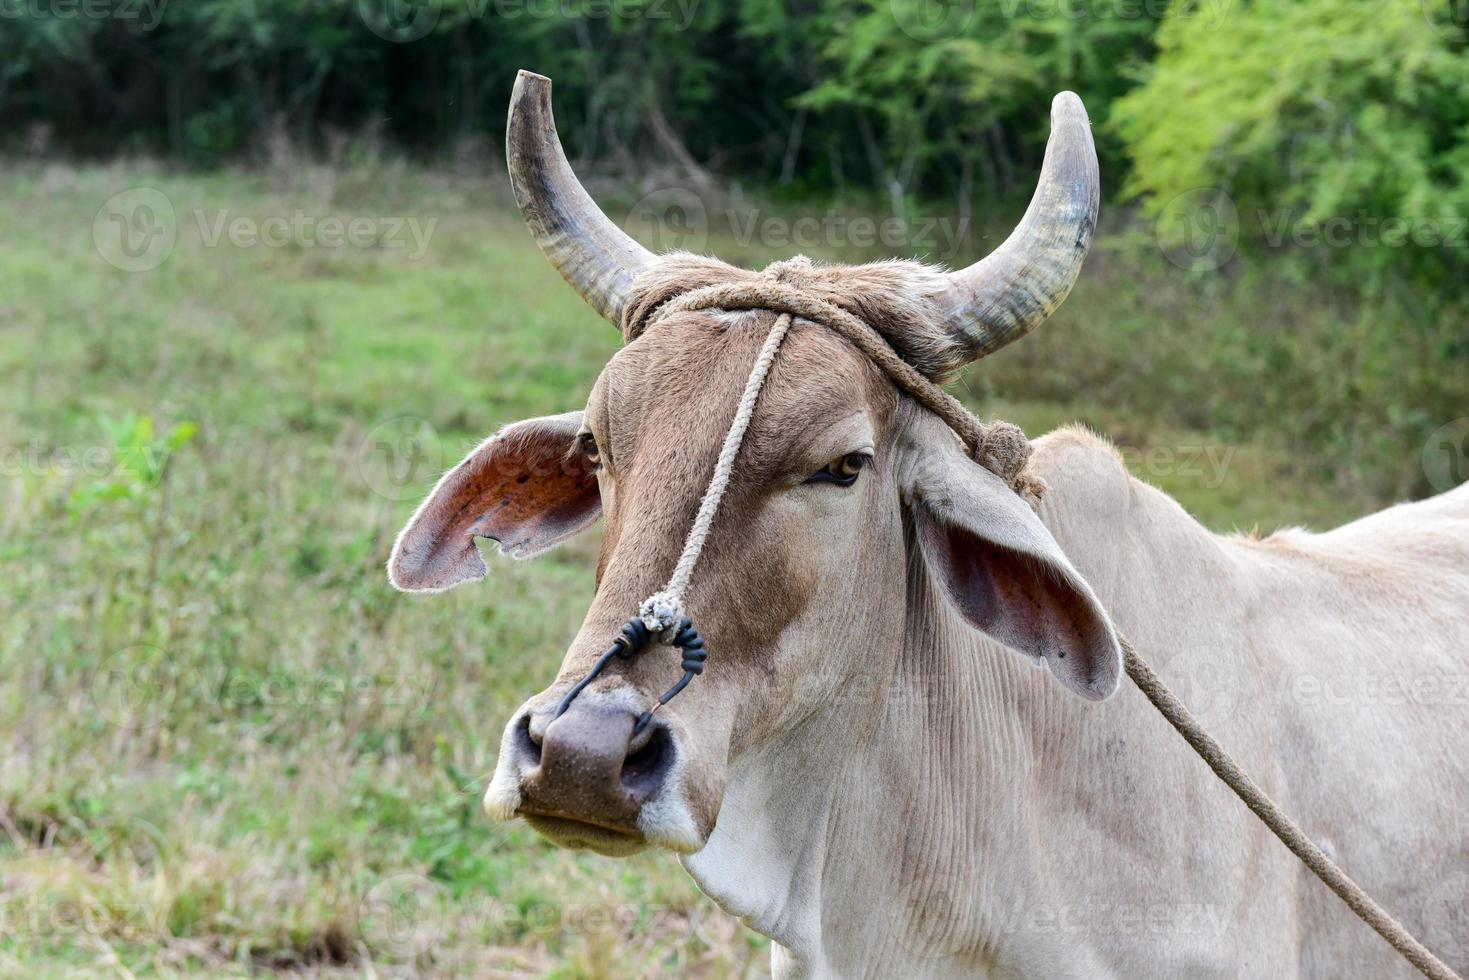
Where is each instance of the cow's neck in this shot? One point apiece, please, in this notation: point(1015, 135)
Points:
point(916, 789)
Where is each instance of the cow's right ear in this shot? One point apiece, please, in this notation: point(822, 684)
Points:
point(526, 487)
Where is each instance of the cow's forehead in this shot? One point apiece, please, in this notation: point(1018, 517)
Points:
point(679, 383)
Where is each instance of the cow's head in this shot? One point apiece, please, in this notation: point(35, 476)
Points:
point(843, 491)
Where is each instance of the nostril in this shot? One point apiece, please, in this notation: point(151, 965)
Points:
point(528, 740)
point(644, 769)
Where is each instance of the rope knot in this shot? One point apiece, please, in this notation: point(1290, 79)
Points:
point(794, 271)
point(660, 613)
point(1005, 451)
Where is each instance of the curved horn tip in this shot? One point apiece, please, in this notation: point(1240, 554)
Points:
point(1067, 107)
point(529, 84)
point(590, 251)
point(1008, 293)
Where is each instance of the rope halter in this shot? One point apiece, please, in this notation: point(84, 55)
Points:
point(1000, 447)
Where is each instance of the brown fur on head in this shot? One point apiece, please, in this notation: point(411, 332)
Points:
point(898, 298)
point(659, 413)
point(800, 588)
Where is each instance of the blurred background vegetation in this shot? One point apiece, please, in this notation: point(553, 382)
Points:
point(231, 749)
point(1247, 123)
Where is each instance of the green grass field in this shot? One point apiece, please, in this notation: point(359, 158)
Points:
point(229, 747)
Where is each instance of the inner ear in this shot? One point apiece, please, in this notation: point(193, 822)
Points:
point(526, 487)
point(1024, 601)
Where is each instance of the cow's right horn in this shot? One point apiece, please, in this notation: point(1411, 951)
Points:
point(585, 246)
point(1009, 292)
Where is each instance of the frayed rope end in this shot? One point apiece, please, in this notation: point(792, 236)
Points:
point(1005, 452)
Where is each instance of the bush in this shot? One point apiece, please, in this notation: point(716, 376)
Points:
point(1342, 114)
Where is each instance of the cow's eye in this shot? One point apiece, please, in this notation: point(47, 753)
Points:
point(588, 445)
point(843, 472)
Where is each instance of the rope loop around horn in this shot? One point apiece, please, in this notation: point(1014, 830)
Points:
point(1000, 447)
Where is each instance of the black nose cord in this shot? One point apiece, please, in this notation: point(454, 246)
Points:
point(632, 639)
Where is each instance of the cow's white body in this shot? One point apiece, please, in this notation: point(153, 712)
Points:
point(987, 823)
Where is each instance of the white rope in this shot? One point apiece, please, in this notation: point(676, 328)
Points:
point(662, 610)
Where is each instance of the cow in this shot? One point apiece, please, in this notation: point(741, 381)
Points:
point(911, 753)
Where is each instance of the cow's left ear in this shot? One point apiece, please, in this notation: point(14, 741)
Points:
point(1004, 571)
point(526, 487)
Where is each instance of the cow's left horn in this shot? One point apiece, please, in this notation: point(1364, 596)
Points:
point(584, 245)
point(1009, 292)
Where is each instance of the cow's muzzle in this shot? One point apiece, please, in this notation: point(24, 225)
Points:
point(587, 779)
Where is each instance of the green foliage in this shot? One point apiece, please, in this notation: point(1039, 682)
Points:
point(140, 460)
point(921, 101)
point(956, 86)
point(1353, 113)
point(1312, 111)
